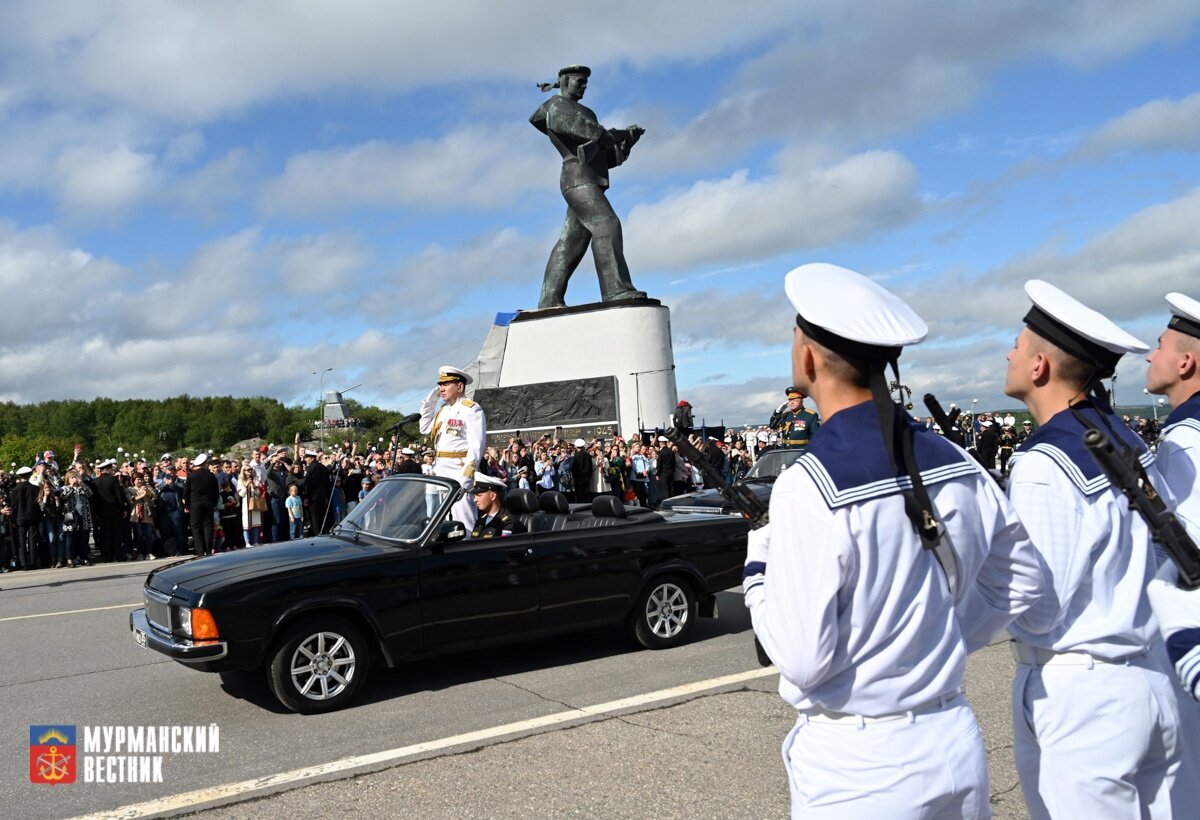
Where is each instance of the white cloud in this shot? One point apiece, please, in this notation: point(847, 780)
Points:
point(1159, 125)
point(739, 218)
point(207, 328)
point(477, 167)
point(104, 183)
point(731, 319)
point(198, 61)
point(1123, 272)
point(438, 277)
point(318, 264)
point(857, 72)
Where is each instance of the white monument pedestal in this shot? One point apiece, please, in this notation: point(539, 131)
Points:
point(629, 341)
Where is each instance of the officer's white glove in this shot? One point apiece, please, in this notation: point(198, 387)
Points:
point(1174, 608)
point(467, 484)
point(431, 398)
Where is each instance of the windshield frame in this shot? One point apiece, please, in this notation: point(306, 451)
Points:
point(751, 476)
point(356, 529)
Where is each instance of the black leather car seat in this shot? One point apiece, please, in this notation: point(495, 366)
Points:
point(524, 505)
point(556, 511)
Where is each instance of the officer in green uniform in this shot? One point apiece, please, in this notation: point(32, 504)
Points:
point(494, 521)
point(797, 425)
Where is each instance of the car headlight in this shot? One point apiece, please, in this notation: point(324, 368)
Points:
point(197, 624)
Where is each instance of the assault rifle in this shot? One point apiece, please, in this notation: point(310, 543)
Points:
point(738, 494)
point(948, 423)
point(1164, 527)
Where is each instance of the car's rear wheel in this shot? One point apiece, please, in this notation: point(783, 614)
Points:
point(665, 613)
point(319, 664)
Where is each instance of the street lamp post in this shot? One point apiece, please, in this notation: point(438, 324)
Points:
point(320, 403)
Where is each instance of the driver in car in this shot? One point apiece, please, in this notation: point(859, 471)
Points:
point(493, 521)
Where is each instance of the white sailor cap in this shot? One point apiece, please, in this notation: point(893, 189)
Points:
point(663, 438)
point(108, 462)
point(200, 459)
point(24, 470)
point(1077, 329)
point(580, 443)
point(850, 314)
point(310, 454)
point(1185, 314)
point(408, 451)
point(446, 373)
point(485, 483)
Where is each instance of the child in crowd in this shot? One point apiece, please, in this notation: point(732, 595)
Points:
point(295, 511)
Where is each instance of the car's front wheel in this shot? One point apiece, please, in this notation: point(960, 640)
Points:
point(665, 613)
point(319, 664)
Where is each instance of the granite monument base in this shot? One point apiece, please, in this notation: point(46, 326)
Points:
point(600, 368)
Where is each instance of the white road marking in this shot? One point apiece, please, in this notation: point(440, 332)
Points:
point(190, 801)
point(71, 612)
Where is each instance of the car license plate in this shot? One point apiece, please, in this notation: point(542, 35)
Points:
point(140, 637)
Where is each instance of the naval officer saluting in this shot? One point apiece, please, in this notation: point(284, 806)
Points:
point(1095, 716)
point(890, 555)
point(458, 430)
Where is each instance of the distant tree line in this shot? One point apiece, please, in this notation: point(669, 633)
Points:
point(184, 423)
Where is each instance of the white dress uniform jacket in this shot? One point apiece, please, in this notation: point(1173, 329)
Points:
point(1094, 710)
point(459, 435)
point(870, 644)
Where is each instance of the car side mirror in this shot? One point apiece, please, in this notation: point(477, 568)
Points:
point(451, 532)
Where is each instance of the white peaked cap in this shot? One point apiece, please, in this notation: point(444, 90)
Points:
point(852, 307)
point(1083, 325)
point(1185, 314)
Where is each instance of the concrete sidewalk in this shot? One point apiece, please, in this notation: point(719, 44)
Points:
point(715, 756)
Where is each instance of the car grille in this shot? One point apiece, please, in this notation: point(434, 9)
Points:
point(158, 610)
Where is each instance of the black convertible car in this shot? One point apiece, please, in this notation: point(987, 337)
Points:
point(760, 479)
point(397, 579)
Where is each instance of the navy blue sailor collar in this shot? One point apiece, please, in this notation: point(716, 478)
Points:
point(1186, 413)
point(1061, 438)
point(848, 463)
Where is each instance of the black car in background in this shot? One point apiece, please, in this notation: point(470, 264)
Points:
point(760, 479)
point(398, 580)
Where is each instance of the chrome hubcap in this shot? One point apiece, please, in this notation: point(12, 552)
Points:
point(323, 666)
point(667, 610)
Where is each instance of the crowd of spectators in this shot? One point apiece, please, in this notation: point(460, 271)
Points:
point(104, 511)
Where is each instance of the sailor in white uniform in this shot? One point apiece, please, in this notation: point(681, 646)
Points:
point(1175, 372)
point(883, 566)
point(458, 430)
point(1094, 709)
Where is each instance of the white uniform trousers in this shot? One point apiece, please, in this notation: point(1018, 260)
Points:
point(1186, 790)
point(929, 763)
point(464, 509)
point(1095, 739)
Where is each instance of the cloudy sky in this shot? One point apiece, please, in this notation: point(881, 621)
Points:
point(223, 197)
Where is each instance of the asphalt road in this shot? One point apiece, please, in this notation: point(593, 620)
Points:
point(571, 743)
